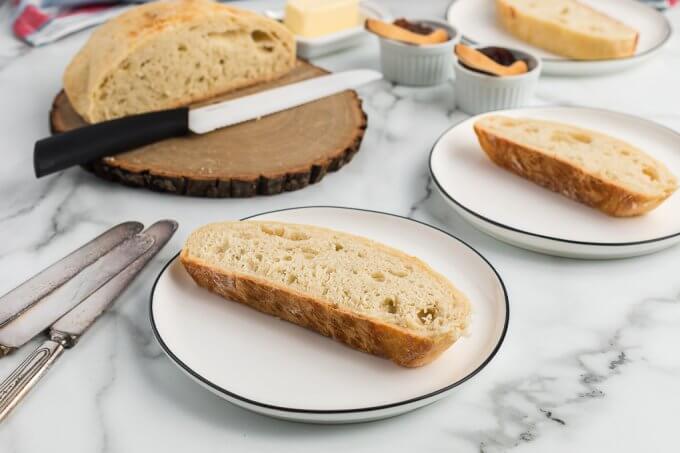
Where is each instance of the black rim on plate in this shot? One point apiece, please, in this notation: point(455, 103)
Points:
point(529, 233)
point(230, 394)
point(664, 40)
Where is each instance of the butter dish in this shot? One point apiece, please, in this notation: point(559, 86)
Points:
point(308, 48)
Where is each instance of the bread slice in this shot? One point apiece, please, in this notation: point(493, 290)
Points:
point(171, 53)
point(593, 168)
point(568, 28)
point(367, 295)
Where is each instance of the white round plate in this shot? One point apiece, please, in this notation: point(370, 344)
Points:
point(278, 369)
point(477, 21)
point(519, 212)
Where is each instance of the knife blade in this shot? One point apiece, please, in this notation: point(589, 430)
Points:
point(24, 296)
point(37, 318)
point(66, 331)
point(215, 116)
point(93, 142)
point(74, 323)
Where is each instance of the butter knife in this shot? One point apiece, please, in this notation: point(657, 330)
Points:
point(37, 318)
point(24, 296)
point(67, 330)
point(89, 143)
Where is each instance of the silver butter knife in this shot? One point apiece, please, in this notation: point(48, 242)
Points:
point(40, 315)
point(24, 296)
point(89, 143)
point(67, 330)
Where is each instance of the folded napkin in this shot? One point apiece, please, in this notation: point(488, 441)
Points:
point(39, 22)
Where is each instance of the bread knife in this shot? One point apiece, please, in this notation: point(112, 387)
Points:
point(24, 296)
point(67, 330)
point(37, 318)
point(107, 138)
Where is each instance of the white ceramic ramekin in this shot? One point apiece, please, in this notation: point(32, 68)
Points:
point(409, 64)
point(478, 93)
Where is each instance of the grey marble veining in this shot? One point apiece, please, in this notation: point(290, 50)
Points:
point(590, 361)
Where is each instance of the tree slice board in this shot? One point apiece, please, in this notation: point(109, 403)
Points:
point(280, 152)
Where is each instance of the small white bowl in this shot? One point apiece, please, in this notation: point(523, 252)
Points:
point(478, 93)
point(415, 65)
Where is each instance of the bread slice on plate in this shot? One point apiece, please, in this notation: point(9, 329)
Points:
point(367, 295)
point(167, 54)
point(593, 168)
point(568, 28)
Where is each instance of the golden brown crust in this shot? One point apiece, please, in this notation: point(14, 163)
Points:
point(360, 332)
point(564, 178)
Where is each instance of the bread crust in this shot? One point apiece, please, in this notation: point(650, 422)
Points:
point(564, 177)
point(355, 330)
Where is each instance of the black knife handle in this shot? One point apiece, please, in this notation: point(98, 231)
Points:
point(107, 138)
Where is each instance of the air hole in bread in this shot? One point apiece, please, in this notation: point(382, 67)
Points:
point(378, 276)
point(583, 138)
point(287, 258)
point(275, 231)
point(390, 305)
point(625, 152)
point(309, 253)
point(427, 315)
point(651, 173)
point(227, 36)
point(258, 256)
point(570, 137)
point(400, 274)
point(260, 36)
point(182, 48)
point(338, 247)
point(298, 236)
point(292, 278)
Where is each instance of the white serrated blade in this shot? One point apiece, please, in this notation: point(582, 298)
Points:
point(227, 113)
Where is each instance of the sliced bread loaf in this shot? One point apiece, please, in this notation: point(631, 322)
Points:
point(593, 168)
point(568, 28)
point(362, 293)
point(166, 54)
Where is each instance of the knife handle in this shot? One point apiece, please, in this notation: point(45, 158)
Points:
point(23, 379)
point(88, 143)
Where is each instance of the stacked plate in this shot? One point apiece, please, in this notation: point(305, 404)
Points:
point(517, 211)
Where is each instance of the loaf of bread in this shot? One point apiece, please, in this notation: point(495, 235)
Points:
point(593, 168)
point(367, 295)
point(568, 28)
point(170, 53)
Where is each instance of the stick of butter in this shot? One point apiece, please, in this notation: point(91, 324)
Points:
point(312, 18)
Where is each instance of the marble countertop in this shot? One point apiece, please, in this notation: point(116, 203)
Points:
point(590, 362)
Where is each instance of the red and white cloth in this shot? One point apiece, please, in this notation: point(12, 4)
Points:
point(39, 22)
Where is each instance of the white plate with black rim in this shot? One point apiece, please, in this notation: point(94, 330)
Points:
point(281, 370)
point(477, 21)
point(521, 213)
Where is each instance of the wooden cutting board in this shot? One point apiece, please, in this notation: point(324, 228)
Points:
point(280, 152)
